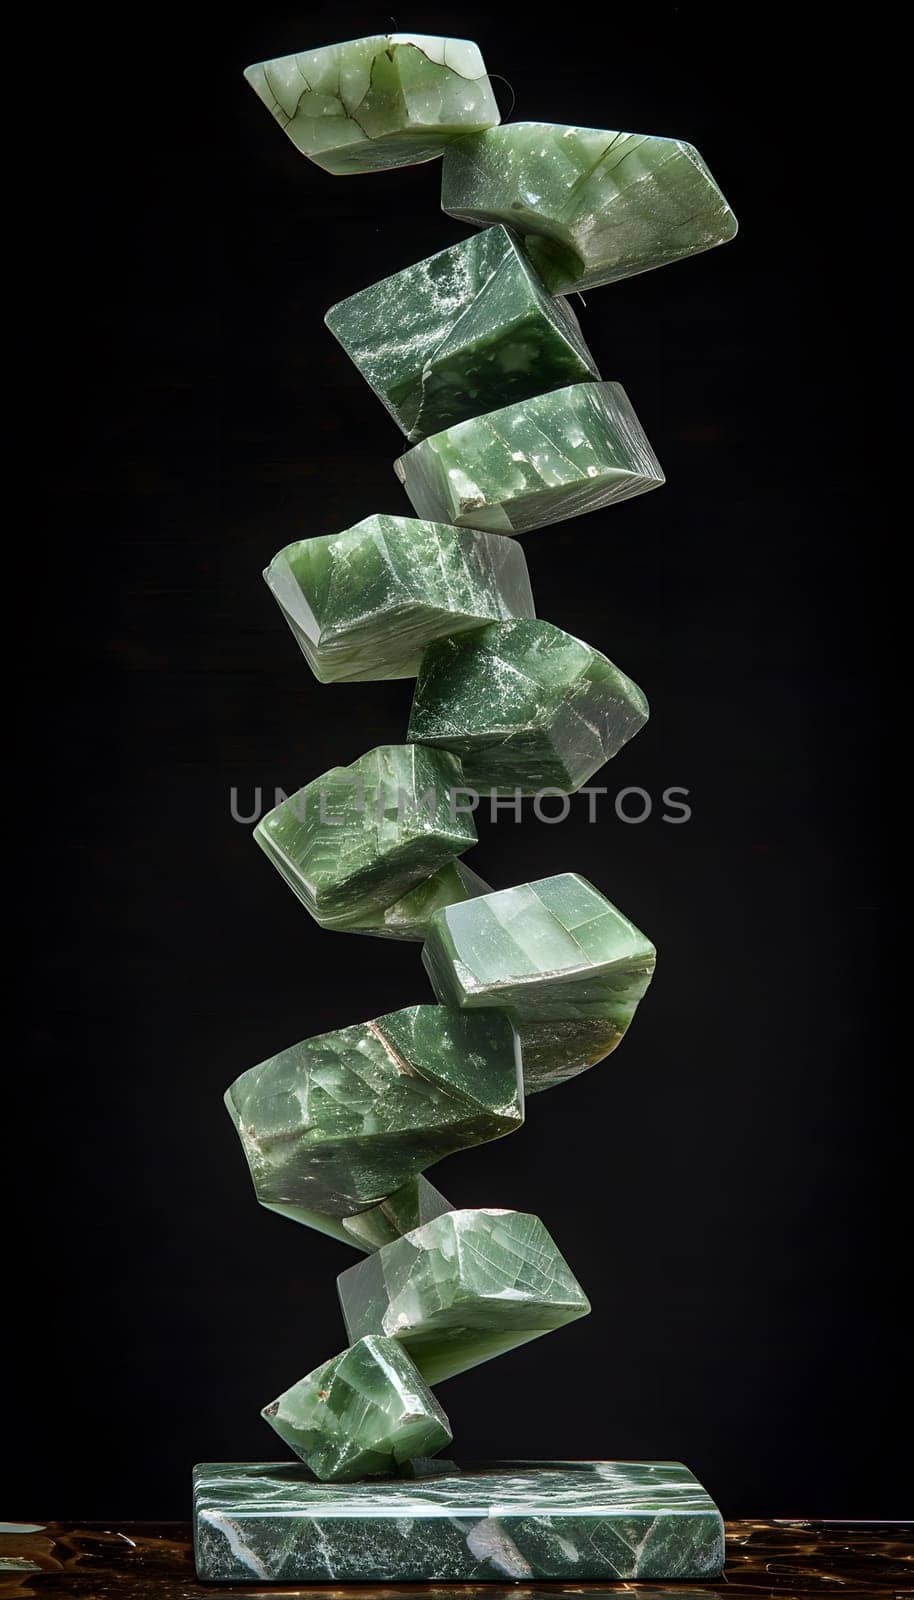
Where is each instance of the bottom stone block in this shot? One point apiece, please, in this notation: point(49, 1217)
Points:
point(587, 1520)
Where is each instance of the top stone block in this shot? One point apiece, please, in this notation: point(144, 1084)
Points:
point(369, 104)
point(591, 205)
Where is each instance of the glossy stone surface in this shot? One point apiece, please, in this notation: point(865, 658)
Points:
point(799, 1558)
point(468, 330)
point(363, 604)
point(462, 1289)
point(591, 204)
point(511, 1520)
point(567, 965)
point(340, 1122)
point(416, 1203)
point(525, 706)
point(408, 918)
point(362, 1413)
point(359, 838)
point(553, 456)
point(386, 101)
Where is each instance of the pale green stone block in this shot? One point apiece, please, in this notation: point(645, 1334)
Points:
point(340, 1122)
point(591, 205)
point(361, 1414)
point(408, 918)
point(567, 965)
point(468, 330)
point(525, 706)
point(386, 101)
point(361, 837)
point(365, 603)
point(553, 456)
point(463, 1288)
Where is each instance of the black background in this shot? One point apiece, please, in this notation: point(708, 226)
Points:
point(720, 1185)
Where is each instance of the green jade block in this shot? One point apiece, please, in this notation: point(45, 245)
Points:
point(338, 1123)
point(525, 706)
point(468, 330)
point(463, 1288)
point(363, 604)
point(569, 968)
point(583, 1521)
point(371, 104)
point(362, 1413)
point(408, 918)
point(553, 456)
point(359, 838)
point(591, 205)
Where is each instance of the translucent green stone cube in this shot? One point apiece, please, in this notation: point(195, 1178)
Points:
point(386, 101)
point(525, 706)
point(591, 205)
point(468, 330)
point(569, 968)
point(553, 456)
point(361, 1414)
point(361, 837)
point(339, 1123)
point(363, 604)
point(463, 1288)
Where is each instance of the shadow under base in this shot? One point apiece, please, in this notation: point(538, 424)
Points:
point(272, 1522)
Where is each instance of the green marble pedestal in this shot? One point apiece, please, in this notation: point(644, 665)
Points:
point(588, 1520)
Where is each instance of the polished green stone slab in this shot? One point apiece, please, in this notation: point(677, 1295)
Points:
point(334, 1125)
point(525, 706)
point(466, 331)
point(507, 1520)
point(362, 1413)
point(462, 1289)
point(590, 204)
point(553, 456)
point(386, 101)
point(363, 604)
point(416, 1203)
point(567, 965)
point(359, 838)
point(408, 918)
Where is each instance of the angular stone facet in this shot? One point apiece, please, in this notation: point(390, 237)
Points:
point(408, 918)
point(416, 1203)
point(590, 205)
point(359, 838)
point(569, 968)
point(581, 1521)
point(525, 706)
point(554, 456)
point(362, 1413)
point(376, 103)
point(336, 1124)
point(469, 330)
point(462, 1289)
point(364, 604)
point(385, 101)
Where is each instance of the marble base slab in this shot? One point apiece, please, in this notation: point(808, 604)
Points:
point(272, 1522)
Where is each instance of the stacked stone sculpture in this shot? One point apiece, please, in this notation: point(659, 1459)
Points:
point(510, 427)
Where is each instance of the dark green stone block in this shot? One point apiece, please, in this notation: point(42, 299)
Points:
point(340, 1122)
point(468, 330)
point(525, 706)
point(585, 1521)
